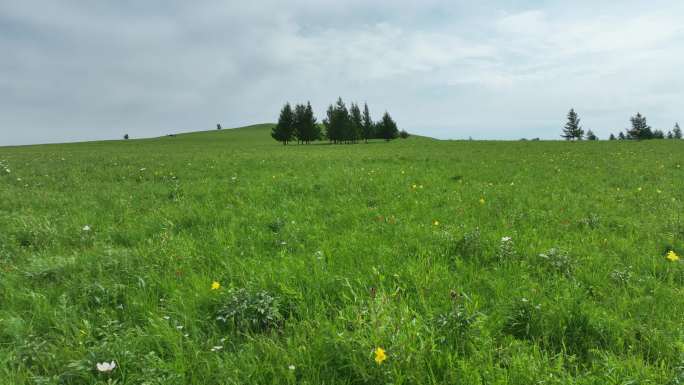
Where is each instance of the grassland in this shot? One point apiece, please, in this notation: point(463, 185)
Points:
point(108, 251)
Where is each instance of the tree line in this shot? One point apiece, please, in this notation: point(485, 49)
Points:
point(340, 125)
point(640, 130)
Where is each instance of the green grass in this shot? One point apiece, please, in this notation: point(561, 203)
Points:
point(325, 253)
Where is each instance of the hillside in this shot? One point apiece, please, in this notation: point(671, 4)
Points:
point(224, 257)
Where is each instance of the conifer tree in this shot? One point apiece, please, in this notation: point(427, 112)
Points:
point(591, 136)
point(367, 130)
point(341, 124)
point(355, 123)
point(388, 128)
point(612, 137)
point(299, 130)
point(677, 132)
point(311, 128)
point(328, 124)
point(218, 126)
point(669, 135)
point(284, 130)
point(640, 129)
point(572, 129)
point(621, 135)
point(658, 134)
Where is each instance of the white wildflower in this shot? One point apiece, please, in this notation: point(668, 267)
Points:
point(86, 228)
point(105, 367)
point(291, 367)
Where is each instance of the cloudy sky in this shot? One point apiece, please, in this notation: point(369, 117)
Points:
point(82, 70)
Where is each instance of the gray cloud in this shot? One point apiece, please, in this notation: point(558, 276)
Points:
point(79, 70)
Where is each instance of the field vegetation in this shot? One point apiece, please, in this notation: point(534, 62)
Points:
point(224, 257)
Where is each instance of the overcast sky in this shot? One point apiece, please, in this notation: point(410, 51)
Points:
point(84, 70)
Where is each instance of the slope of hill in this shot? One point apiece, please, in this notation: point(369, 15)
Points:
point(225, 257)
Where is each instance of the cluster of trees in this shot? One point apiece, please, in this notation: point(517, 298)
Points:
point(640, 130)
point(341, 125)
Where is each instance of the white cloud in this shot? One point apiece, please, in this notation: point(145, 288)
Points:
point(98, 69)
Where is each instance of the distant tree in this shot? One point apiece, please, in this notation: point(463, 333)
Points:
point(327, 124)
point(126, 137)
point(640, 129)
point(677, 132)
point(612, 137)
point(355, 123)
point(367, 124)
point(388, 128)
point(572, 129)
point(284, 130)
point(403, 134)
point(670, 135)
point(218, 126)
point(313, 131)
point(306, 129)
point(337, 122)
point(298, 125)
point(621, 136)
point(591, 136)
point(658, 134)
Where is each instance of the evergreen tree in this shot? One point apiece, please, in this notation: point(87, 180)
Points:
point(337, 122)
point(328, 124)
point(356, 123)
point(341, 121)
point(572, 129)
point(388, 128)
point(621, 135)
point(640, 129)
point(367, 130)
point(284, 130)
point(591, 136)
point(669, 135)
point(404, 134)
point(658, 134)
point(299, 130)
point(126, 137)
point(313, 131)
point(218, 126)
point(612, 137)
point(677, 132)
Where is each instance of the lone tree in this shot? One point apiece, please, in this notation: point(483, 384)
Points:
point(126, 137)
point(677, 132)
point(640, 129)
point(612, 137)
point(388, 128)
point(367, 124)
point(284, 130)
point(591, 136)
point(572, 129)
point(218, 126)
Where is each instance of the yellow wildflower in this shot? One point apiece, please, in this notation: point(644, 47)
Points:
point(380, 355)
point(672, 256)
point(215, 285)
point(482, 201)
point(436, 223)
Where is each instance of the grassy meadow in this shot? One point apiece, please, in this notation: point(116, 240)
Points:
point(224, 257)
